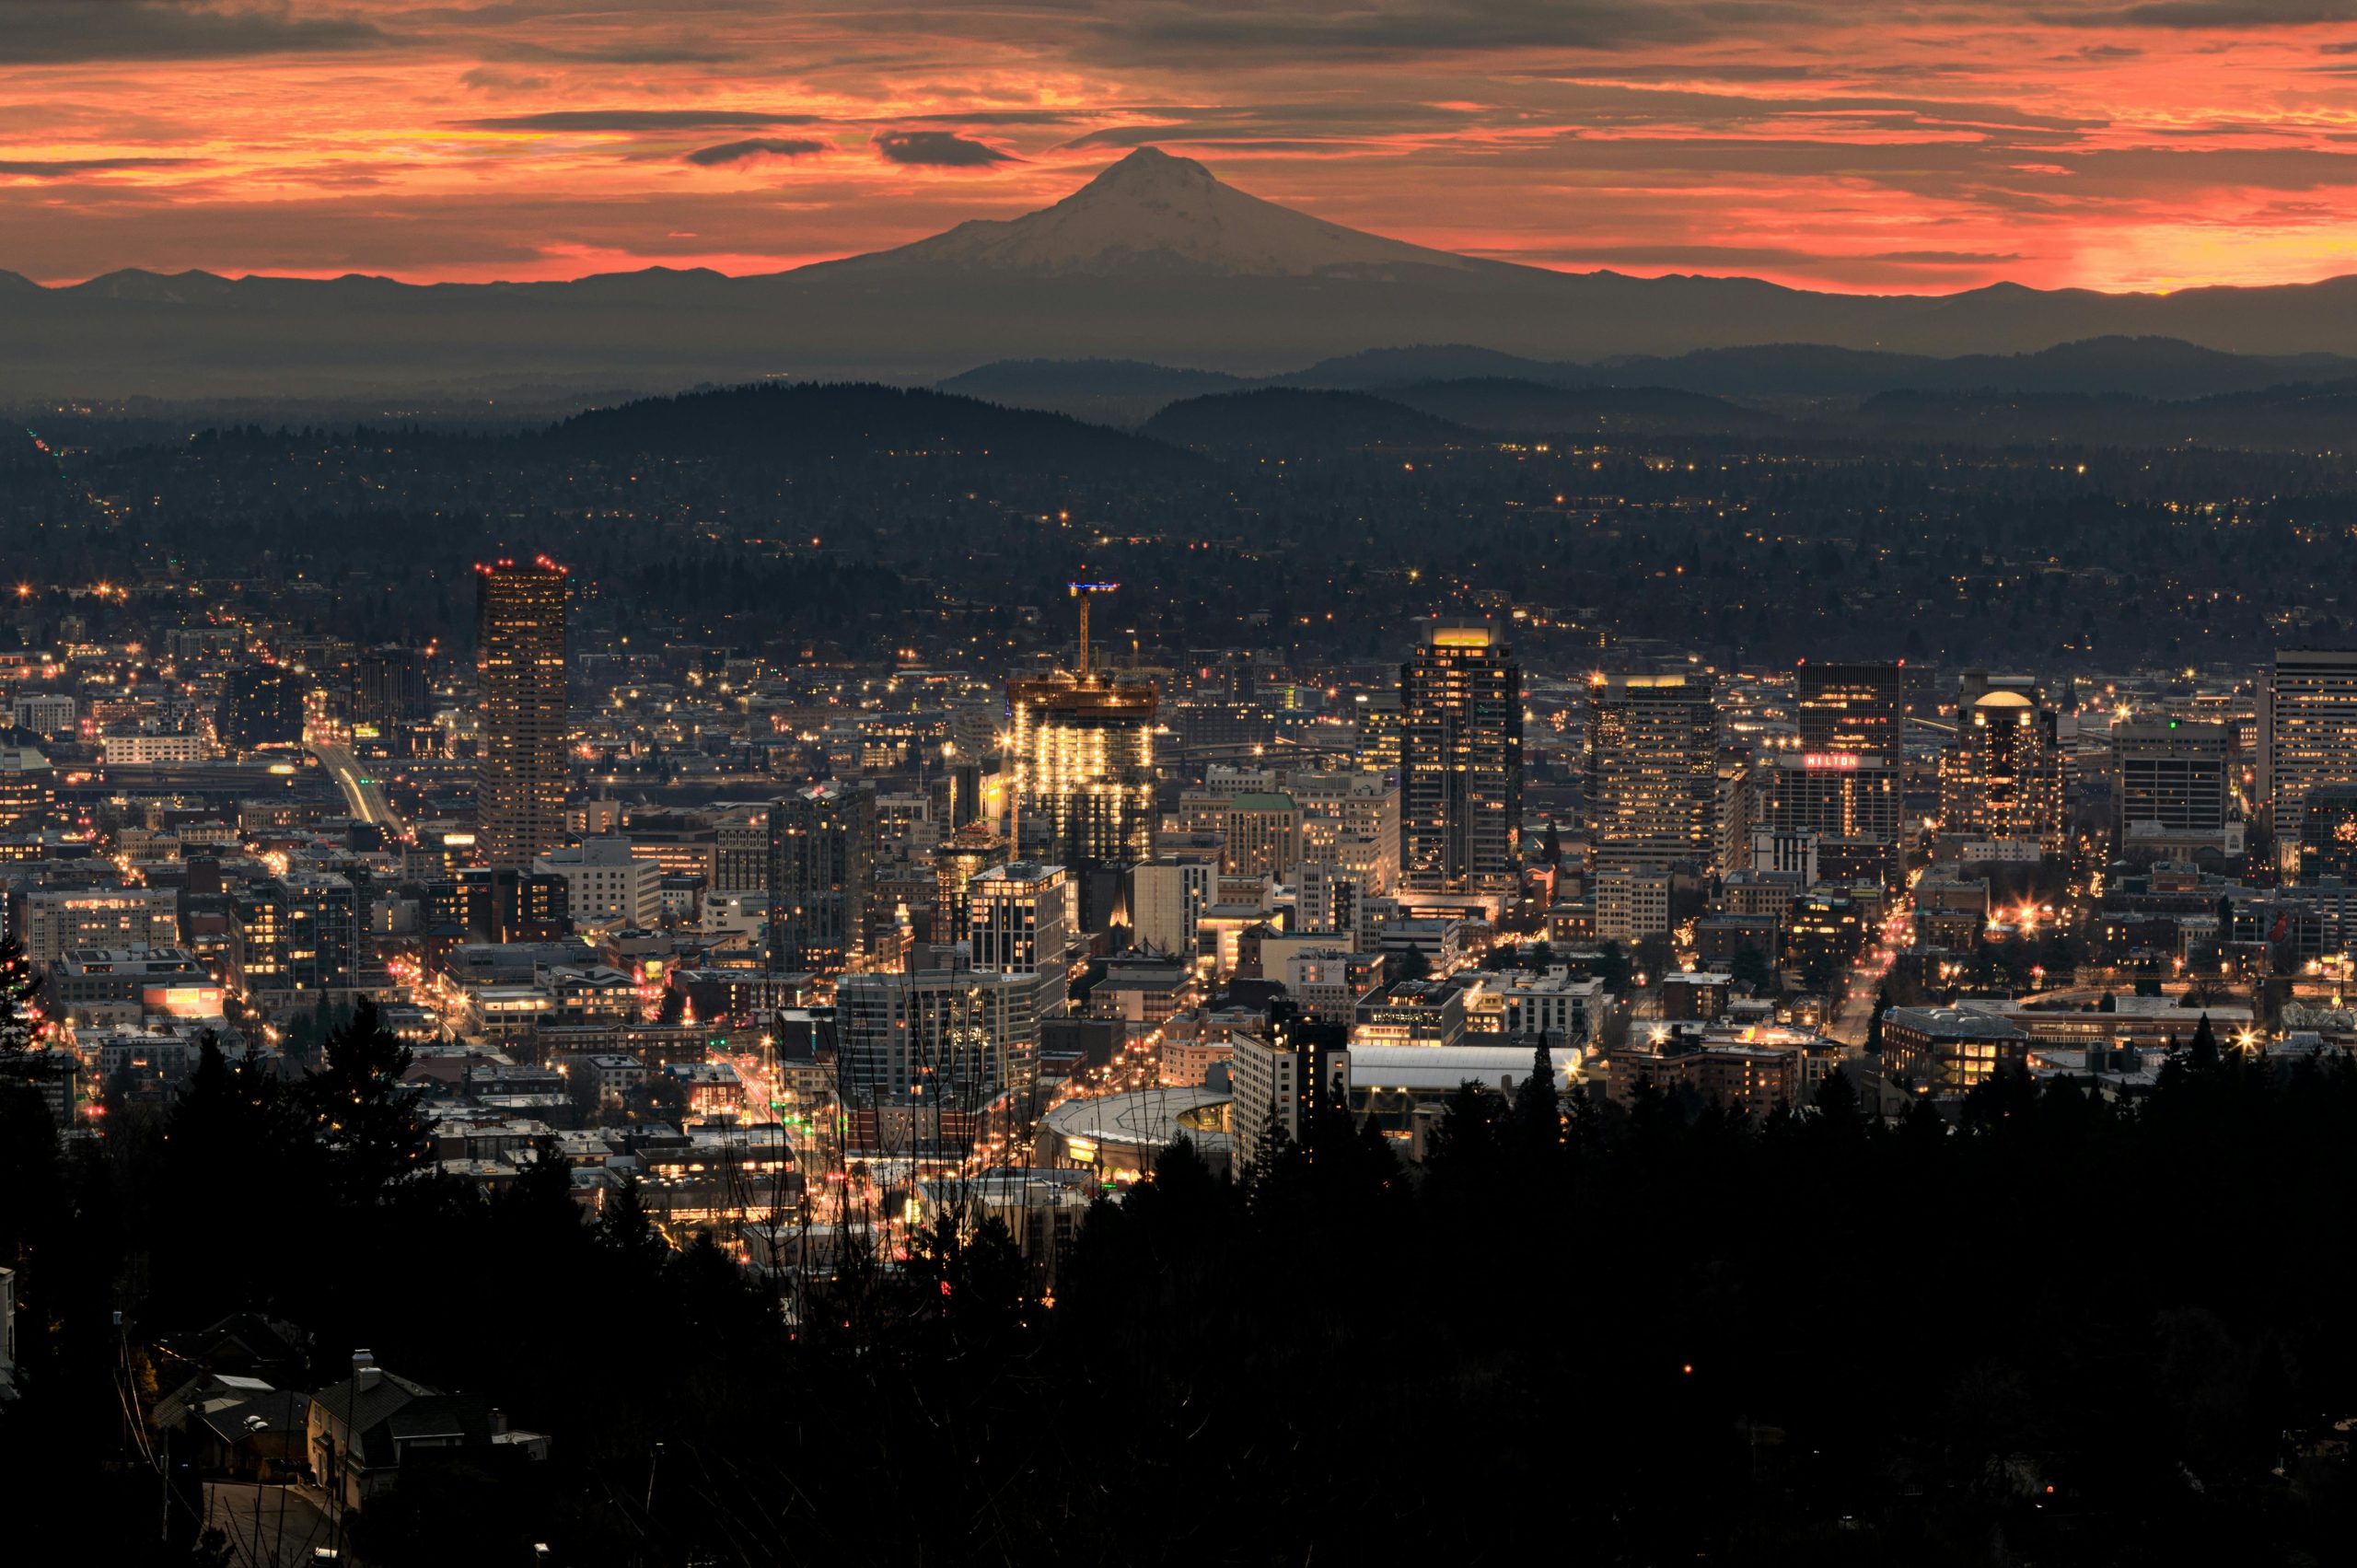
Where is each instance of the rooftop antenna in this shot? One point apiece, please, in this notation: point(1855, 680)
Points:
point(1083, 592)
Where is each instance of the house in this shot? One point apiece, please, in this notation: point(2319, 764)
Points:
point(361, 1431)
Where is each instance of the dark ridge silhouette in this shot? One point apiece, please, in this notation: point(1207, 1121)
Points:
point(1525, 408)
point(2284, 419)
point(812, 424)
point(1290, 418)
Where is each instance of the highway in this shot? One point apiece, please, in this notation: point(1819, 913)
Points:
point(362, 795)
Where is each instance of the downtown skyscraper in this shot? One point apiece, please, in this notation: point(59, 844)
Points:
point(1461, 760)
point(519, 669)
point(1653, 783)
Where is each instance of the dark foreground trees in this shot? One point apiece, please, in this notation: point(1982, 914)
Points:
point(2059, 1331)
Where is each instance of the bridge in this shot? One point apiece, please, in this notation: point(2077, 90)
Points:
point(363, 795)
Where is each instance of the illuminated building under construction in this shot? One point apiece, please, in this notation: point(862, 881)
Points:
point(1080, 748)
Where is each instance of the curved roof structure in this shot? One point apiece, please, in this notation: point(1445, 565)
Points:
point(1145, 1119)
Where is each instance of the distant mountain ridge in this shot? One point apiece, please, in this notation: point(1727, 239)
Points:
point(1154, 261)
point(2164, 368)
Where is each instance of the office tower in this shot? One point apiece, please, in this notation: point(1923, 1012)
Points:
point(1735, 777)
point(1461, 760)
point(822, 878)
point(1167, 897)
point(956, 861)
point(2328, 833)
point(499, 904)
point(740, 860)
point(2307, 735)
point(1653, 781)
point(607, 883)
point(2001, 777)
point(1280, 1075)
point(1331, 899)
point(1852, 707)
point(28, 790)
point(1020, 919)
point(388, 690)
point(1839, 795)
point(957, 1039)
point(2176, 776)
point(262, 706)
point(1351, 820)
point(1262, 833)
point(1378, 731)
point(1080, 746)
point(519, 663)
point(298, 935)
point(1082, 755)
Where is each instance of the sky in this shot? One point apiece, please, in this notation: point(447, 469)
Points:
point(1891, 147)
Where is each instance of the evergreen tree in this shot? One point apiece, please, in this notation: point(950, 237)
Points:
point(2204, 1049)
point(18, 986)
point(1537, 1111)
point(366, 1116)
point(1840, 1118)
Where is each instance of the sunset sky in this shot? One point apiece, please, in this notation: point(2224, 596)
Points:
point(1858, 146)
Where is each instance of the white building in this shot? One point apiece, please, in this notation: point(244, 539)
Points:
point(60, 919)
point(1167, 902)
point(1631, 904)
point(147, 751)
point(605, 885)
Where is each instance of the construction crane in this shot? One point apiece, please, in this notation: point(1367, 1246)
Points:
point(1084, 592)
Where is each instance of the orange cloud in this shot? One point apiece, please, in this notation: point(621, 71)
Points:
point(1923, 147)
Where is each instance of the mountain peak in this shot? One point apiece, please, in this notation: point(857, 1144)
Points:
point(1150, 167)
point(1155, 214)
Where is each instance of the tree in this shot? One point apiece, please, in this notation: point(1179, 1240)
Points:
point(366, 1116)
point(1654, 955)
point(1838, 1112)
point(1405, 963)
point(1537, 1111)
point(1874, 1020)
point(2204, 1051)
point(1750, 965)
point(1612, 967)
point(18, 985)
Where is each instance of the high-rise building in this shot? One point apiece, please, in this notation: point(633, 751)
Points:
point(298, 933)
point(2307, 735)
point(1082, 756)
point(2001, 777)
point(606, 882)
point(2176, 775)
point(1852, 707)
point(521, 783)
point(1279, 1075)
point(822, 876)
point(1351, 820)
point(1020, 919)
point(953, 1038)
point(2328, 833)
point(1378, 731)
point(28, 790)
point(1460, 760)
point(956, 861)
point(1261, 832)
point(261, 704)
point(388, 688)
point(1653, 778)
point(1840, 795)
